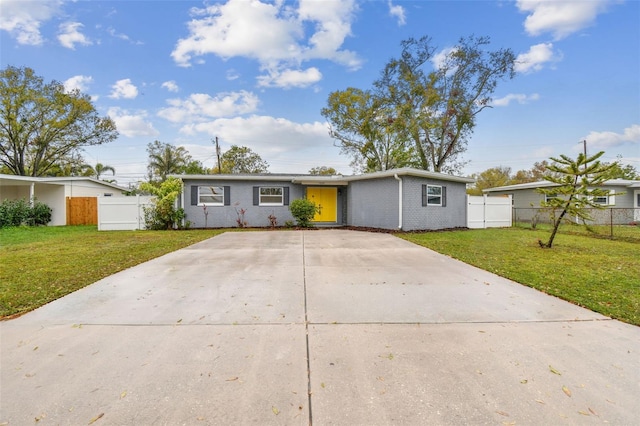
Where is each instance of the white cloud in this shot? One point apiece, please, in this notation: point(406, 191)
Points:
point(199, 106)
point(517, 97)
point(535, 59)
point(70, 35)
point(290, 78)
point(22, 19)
point(271, 33)
point(439, 59)
point(277, 140)
point(79, 82)
point(124, 89)
point(560, 18)
point(170, 86)
point(113, 33)
point(397, 12)
point(598, 141)
point(132, 125)
point(232, 75)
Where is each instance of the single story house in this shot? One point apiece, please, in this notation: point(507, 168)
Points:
point(621, 205)
point(401, 199)
point(56, 192)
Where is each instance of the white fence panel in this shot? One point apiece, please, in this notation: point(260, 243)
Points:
point(489, 212)
point(122, 213)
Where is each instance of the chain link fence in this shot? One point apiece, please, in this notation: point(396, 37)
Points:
point(617, 223)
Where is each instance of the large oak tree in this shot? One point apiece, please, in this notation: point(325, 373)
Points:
point(428, 98)
point(43, 125)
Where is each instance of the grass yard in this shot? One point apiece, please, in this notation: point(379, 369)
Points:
point(41, 264)
point(599, 274)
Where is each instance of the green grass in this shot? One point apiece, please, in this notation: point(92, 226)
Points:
point(41, 264)
point(600, 274)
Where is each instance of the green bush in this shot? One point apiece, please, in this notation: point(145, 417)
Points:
point(163, 214)
point(303, 211)
point(21, 212)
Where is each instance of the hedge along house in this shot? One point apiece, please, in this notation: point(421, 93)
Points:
point(621, 206)
point(401, 199)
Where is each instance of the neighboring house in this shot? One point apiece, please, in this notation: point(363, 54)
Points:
point(402, 199)
point(56, 192)
point(621, 206)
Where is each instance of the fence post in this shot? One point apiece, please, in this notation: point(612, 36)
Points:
point(611, 222)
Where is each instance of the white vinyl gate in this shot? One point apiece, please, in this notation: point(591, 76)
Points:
point(122, 213)
point(489, 212)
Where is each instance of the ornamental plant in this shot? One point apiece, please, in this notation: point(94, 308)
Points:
point(303, 211)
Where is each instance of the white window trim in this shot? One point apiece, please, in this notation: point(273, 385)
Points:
point(260, 203)
point(440, 196)
point(210, 204)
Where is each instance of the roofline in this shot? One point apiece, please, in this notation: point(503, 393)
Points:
point(59, 180)
point(329, 180)
point(546, 184)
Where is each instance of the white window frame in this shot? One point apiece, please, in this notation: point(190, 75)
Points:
point(602, 200)
point(548, 197)
point(260, 195)
point(213, 194)
point(429, 196)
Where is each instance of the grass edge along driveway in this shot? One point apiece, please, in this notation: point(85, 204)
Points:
point(598, 274)
point(41, 264)
point(38, 265)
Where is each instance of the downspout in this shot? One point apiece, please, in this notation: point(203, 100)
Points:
point(399, 200)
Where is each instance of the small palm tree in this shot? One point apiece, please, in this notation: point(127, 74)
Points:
point(98, 170)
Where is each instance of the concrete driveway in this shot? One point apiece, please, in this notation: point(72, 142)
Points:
point(329, 327)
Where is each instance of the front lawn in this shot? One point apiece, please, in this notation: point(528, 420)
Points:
point(41, 264)
point(599, 274)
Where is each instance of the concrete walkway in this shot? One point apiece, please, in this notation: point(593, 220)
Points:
point(328, 327)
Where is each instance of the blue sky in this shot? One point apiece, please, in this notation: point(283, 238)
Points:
point(257, 73)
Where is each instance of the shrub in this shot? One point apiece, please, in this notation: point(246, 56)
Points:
point(303, 211)
point(21, 212)
point(163, 214)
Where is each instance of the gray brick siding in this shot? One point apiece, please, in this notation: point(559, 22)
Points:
point(417, 217)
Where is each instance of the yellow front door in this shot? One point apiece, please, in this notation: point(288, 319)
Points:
point(327, 201)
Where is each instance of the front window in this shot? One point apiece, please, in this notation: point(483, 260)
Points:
point(271, 196)
point(603, 200)
point(549, 197)
point(434, 195)
point(211, 195)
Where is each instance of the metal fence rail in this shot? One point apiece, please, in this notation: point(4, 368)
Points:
point(612, 222)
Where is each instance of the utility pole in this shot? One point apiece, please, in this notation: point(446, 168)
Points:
point(218, 155)
point(584, 144)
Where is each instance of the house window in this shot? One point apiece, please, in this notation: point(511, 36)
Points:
point(271, 196)
point(549, 197)
point(603, 200)
point(211, 195)
point(434, 195)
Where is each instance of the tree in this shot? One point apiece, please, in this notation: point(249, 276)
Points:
point(163, 213)
point(42, 124)
point(367, 131)
point(577, 183)
point(166, 159)
point(438, 107)
point(618, 171)
point(98, 170)
point(490, 178)
point(323, 171)
point(240, 159)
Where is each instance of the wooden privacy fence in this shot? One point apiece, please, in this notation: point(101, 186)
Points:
point(82, 210)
